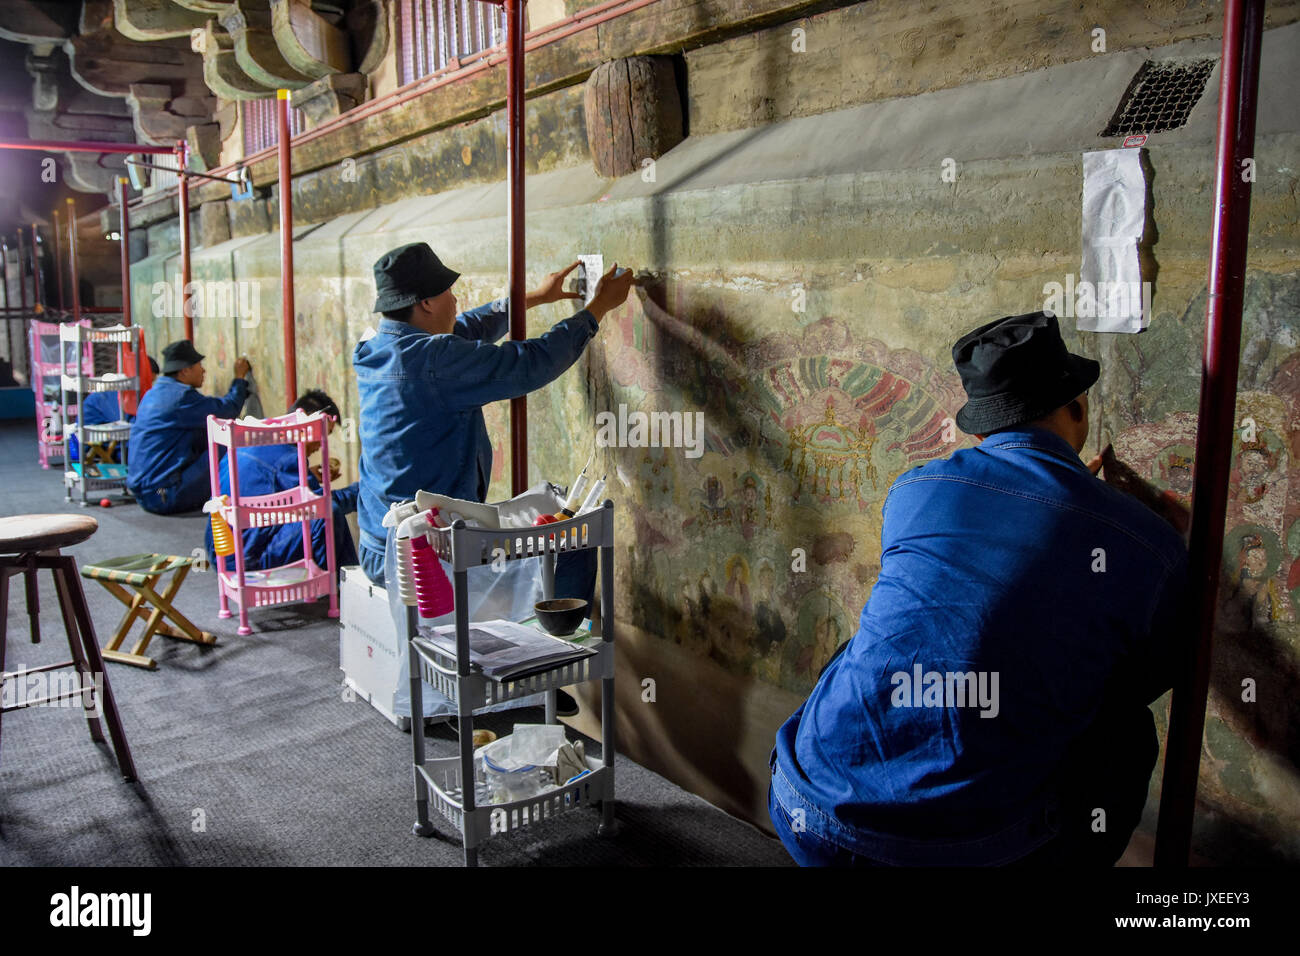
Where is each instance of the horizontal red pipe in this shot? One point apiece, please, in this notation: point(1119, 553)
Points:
point(93, 309)
point(84, 146)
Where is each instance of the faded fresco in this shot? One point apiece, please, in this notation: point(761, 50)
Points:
point(758, 549)
point(804, 431)
point(1253, 721)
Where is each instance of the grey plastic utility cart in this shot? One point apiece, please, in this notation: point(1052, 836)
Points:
point(78, 378)
point(441, 779)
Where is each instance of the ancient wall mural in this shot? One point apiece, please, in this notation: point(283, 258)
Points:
point(804, 431)
point(758, 549)
point(1252, 730)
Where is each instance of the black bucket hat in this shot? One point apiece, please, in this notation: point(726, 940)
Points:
point(1017, 369)
point(179, 356)
point(410, 274)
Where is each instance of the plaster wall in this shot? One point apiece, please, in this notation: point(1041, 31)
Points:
point(810, 414)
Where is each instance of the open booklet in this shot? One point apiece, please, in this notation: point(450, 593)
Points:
point(505, 650)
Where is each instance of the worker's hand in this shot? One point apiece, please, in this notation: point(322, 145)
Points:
point(1094, 466)
point(335, 470)
point(611, 292)
point(242, 368)
point(552, 290)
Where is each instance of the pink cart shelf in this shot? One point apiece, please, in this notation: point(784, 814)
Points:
point(47, 354)
point(292, 583)
point(283, 585)
point(261, 511)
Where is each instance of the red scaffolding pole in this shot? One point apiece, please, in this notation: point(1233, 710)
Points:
point(124, 234)
point(58, 259)
point(38, 293)
point(286, 251)
point(72, 261)
point(22, 272)
point(517, 264)
point(183, 202)
point(1243, 24)
point(4, 284)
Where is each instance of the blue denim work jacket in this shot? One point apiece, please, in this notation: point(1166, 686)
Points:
point(422, 399)
point(1009, 558)
point(171, 430)
point(265, 470)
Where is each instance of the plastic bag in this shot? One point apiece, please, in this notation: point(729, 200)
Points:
point(508, 594)
point(529, 745)
point(253, 404)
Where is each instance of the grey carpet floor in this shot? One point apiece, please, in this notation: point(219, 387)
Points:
point(248, 753)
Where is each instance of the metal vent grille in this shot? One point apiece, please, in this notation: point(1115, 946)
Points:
point(1161, 96)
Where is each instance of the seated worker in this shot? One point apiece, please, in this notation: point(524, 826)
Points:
point(167, 462)
point(266, 469)
point(995, 697)
point(425, 377)
point(103, 408)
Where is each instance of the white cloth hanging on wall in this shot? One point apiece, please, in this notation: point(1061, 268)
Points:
point(1111, 296)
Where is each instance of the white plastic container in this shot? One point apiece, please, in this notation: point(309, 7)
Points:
point(369, 647)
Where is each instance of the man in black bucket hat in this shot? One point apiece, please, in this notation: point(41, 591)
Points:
point(993, 706)
point(424, 378)
point(410, 274)
point(167, 453)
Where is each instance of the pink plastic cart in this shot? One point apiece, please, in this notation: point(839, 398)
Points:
point(302, 580)
point(47, 355)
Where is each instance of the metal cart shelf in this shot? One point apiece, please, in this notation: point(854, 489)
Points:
point(82, 382)
point(442, 779)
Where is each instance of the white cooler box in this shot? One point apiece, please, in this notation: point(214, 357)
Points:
point(369, 646)
point(372, 655)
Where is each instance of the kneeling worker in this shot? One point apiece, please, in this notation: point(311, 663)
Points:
point(167, 463)
point(267, 469)
point(995, 696)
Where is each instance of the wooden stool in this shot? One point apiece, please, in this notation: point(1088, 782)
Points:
point(140, 573)
point(31, 542)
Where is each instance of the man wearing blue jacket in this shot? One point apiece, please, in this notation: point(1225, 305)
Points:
point(267, 469)
point(424, 378)
point(167, 461)
point(993, 706)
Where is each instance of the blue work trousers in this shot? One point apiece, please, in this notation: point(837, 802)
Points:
point(189, 491)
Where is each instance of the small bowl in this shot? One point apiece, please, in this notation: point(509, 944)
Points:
point(562, 616)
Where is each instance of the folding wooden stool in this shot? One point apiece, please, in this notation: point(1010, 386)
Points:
point(95, 454)
point(141, 573)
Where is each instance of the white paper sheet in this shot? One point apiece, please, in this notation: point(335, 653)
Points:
point(593, 267)
point(1110, 295)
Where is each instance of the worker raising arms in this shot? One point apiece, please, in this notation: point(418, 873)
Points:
point(425, 377)
point(167, 464)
